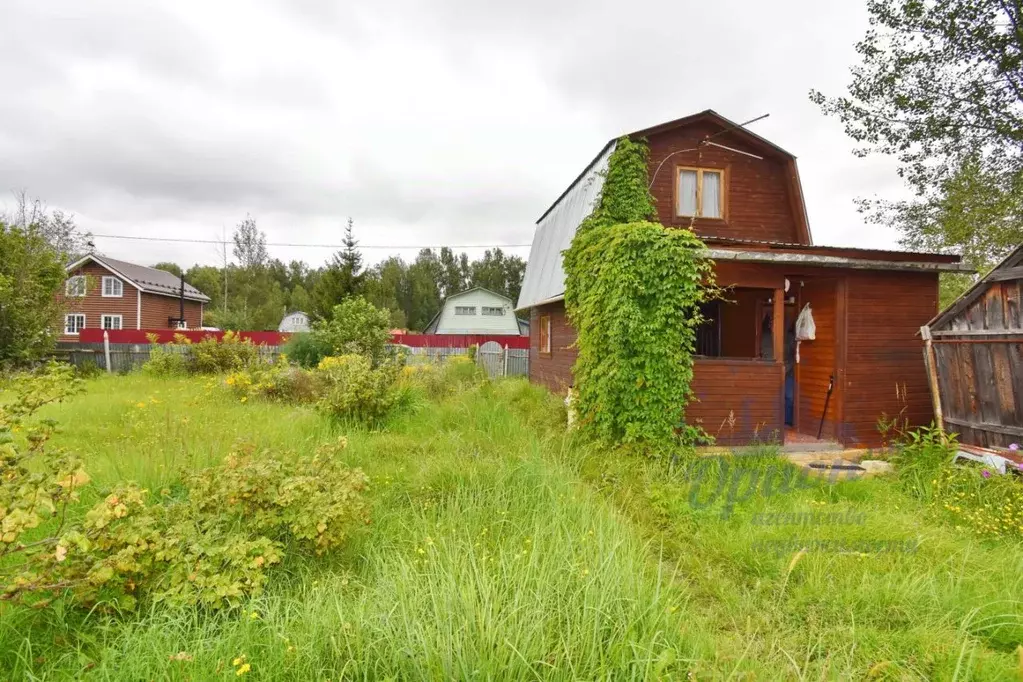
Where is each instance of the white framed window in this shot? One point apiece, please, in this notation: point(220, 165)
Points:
point(465, 310)
point(74, 323)
point(111, 321)
point(112, 287)
point(699, 193)
point(75, 286)
point(181, 324)
point(491, 310)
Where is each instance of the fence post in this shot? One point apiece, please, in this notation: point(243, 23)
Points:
point(106, 350)
point(504, 369)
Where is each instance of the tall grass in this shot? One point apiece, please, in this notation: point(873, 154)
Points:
point(502, 548)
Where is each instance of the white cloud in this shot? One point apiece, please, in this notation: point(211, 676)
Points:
point(442, 122)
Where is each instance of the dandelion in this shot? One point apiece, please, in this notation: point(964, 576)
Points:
point(238, 661)
point(243, 669)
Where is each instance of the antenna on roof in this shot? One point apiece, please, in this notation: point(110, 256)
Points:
point(706, 141)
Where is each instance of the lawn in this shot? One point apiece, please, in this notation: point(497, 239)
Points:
point(502, 548)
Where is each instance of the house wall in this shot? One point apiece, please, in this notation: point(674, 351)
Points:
point(737, 401)
point(739, 323)
point(759, 201)
point(554, 369)
point(156, 309)
point(820, 359)
point(885, 372)
point(449, 323)
point(94, 305)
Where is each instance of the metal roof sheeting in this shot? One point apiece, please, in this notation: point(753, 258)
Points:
point(545, 278)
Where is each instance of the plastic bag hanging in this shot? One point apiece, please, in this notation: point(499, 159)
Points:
point(806, 330)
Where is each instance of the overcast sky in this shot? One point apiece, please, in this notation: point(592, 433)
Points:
point(427, 121)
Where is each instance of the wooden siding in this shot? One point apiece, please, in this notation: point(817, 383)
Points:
point(737, 401)
point(554, 369)
point(819, 360)
point(980, 375)
point(94, 305)
point(885, 372)
point(156, 310)
point(759, 201)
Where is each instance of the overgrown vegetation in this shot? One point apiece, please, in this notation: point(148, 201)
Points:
point(503, 547)
point(208, 541)
point(633, 291)
point(209, 356)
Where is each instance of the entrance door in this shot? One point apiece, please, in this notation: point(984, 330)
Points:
point(817, 365)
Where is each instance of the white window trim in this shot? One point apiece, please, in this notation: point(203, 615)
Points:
point(103, 322)
point(470, 308)
point(181, 324)
point(103, 287)
point(75, 279)
point(494, 311)
point(67, 317)
point(700, 171)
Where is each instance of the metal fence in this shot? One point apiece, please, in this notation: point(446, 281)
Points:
point(125, 357)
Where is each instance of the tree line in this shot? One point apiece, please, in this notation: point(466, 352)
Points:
point(256, 291)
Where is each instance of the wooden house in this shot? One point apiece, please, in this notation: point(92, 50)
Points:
point(742, 195)
point(975, 354)
point(105, 293)
point(475, 311)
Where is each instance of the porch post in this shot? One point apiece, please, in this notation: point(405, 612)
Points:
point(778, 325)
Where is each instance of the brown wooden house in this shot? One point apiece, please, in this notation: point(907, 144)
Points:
point(104, 293)
point(742, 195)
point(975, 347)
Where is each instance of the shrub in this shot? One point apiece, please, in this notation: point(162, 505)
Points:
point(230, 353)
point(279, 382)
point(166, 360)
point(353, 390)
point(306, 349)
point(211, 546)
point(454, 374)
point(356, 327)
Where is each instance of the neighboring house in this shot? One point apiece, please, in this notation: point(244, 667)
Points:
point(104, 293)
point(742, 195)
point(976, 348)
point(475, 311)
point(294, 322)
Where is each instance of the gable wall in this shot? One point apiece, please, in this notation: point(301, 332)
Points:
point(758, 201)
point(449, 323)
point(93, 305)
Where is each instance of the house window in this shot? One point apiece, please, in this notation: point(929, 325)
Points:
point(75, 286)
point(74, 323)
point(465, 310)
point(545, 333)
point(111, 321)
point(488, 310)
point(181, 324)
point(700, 193)
point(113, 287)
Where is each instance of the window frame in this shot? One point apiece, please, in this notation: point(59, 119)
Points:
point(471, 308)
point(181, 325)
point(103, 321)
point(80, 327)
point(495, 311)
point(76, 279)
point(544, 335)
point(722, 195)
point(103, 287)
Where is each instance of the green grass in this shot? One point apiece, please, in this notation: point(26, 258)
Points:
point(502, 549)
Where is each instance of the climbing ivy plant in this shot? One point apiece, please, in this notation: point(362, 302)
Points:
point(633, 290)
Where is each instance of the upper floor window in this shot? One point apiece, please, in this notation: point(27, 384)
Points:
point(465, 310)
point(700, 193)
point(75, 286)
point(488, 310)
point(113, 287)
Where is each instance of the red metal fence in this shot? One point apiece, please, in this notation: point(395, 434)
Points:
point(137, 336)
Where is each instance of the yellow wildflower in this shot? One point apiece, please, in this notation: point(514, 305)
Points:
point(243, 669)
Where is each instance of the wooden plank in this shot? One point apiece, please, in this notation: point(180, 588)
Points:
point(1012, 298)
point(1006, 274)
point(987, 426)
point(976, 333)
point(1003, 384)
point(994, 304)
point(1015, 353)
